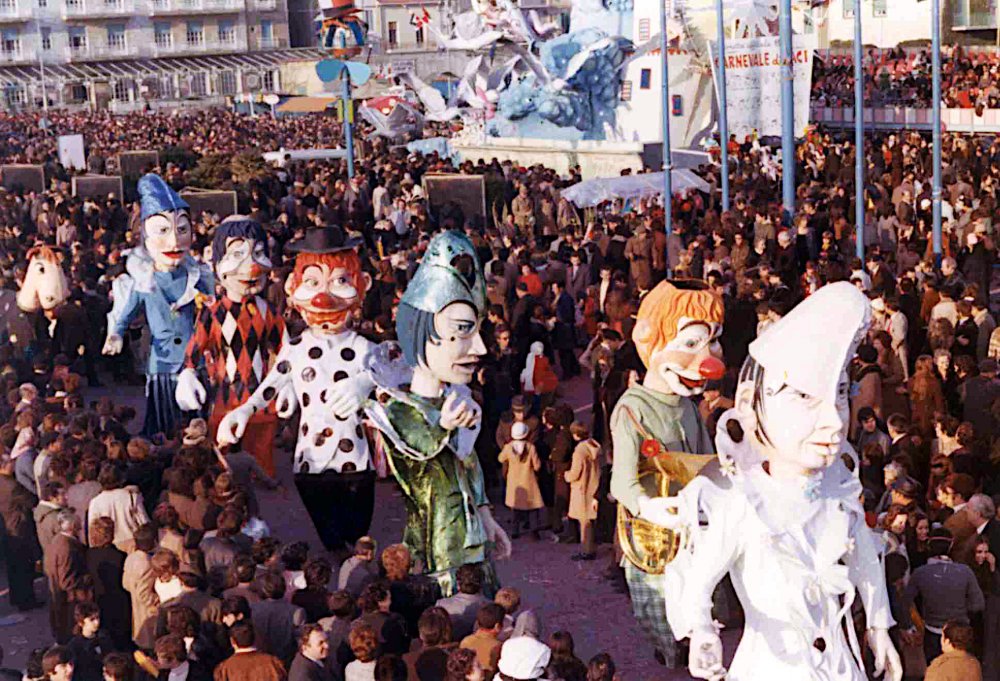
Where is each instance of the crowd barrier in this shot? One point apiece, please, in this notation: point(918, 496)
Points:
point(905, 118)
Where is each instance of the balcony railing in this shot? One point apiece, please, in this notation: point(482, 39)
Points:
point(16, 56)
point(15, 11)
point(159, 7)
point(239, 44)
point(272, 43)
point(266, 5)
point(90, 51)
point(82, 9)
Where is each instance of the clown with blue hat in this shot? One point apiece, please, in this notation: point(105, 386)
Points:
point(162, 280)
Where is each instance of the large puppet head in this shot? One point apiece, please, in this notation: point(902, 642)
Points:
point(440, 314)
point(677, 337)
point(240, 257)
point(793, 388)
point(166, 223)
point(45, 287)
point(327, 285)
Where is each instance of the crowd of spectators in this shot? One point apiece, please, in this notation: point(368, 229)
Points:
point(154, 550)
point(902, 78)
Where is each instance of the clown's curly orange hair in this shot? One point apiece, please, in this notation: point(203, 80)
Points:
point(348, 259)
point(663, 307)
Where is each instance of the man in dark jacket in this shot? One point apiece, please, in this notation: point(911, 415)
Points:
point(310, 662)
point(19, 541)
point(65, 568)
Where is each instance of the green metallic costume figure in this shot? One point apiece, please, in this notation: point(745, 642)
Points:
point(660, 442)
point(428, 419)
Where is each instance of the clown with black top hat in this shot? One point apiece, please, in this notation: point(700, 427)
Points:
point(321, 373)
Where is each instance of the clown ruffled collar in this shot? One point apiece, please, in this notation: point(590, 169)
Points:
point(139, 265)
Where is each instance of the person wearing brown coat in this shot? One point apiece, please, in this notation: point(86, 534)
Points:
point(521, 465)
point(639, 251)
point(139, 580)
point(559, 444)
point(247, 663)
point(66, 570)
point(926, 395)
point(583, 477)
point(955, 663)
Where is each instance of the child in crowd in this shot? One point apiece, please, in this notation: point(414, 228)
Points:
point(521, 465)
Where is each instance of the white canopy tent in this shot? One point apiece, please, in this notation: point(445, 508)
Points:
point(594, 192)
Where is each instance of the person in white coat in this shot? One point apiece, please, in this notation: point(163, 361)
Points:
point(784, 517)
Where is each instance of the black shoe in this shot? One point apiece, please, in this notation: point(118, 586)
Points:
point(26, 607)
point(583, 556)
point(660, 659)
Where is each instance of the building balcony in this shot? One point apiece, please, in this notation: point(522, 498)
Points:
point(19, 55)
point(12, 11)
point(408, 47)
point(265, 5)
point(183, 48)
point(180, 7)
point(75, 53)
point(97, 9)
point(272, 43)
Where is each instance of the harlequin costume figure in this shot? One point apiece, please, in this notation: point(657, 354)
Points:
point(677, 338)
point(322, 373)
point(162, 280)
point(236, 337)
point(428, 419)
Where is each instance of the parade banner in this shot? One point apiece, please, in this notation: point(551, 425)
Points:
point(222, 203)
point(753, 84)
point(23, 177)
point(71, 153)
point(97, 186)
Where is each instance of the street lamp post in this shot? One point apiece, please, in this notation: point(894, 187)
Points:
point(936, 109)
point(859, 137)
point(787, 113)
point(665, 88)
point(720, 28)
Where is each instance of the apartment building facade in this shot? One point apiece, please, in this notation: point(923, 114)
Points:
point(136, 49)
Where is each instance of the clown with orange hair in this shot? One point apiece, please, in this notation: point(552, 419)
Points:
point(322, 373)
point(677, 338)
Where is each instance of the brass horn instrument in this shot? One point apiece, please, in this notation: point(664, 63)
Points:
point(645, 544)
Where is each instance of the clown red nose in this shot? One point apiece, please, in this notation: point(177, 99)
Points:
point(323, 300)
point(711, 369)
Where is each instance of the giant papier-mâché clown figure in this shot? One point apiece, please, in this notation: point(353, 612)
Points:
point(236, 337)
point(784, 519)
point(659, 439)
point(322, 373)
point(163, 280)
point(428, 419)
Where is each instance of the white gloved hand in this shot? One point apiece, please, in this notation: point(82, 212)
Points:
point(660, 510)
point(190, 393)
point(885, 656)
point(459, 411)
point(233, 425)
point(113, 345)
point(286, 402)
point(705, 656)
point(346, 397)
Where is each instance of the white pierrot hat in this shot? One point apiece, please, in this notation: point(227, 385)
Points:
point(810, 346)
